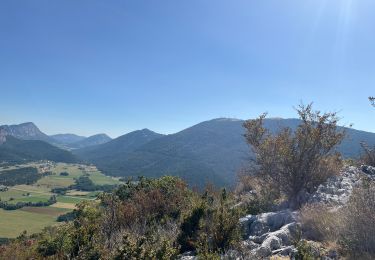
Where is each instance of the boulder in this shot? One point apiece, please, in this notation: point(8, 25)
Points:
point(267, 222)
point(336, 190)
point(369, 170)
point(187, 256)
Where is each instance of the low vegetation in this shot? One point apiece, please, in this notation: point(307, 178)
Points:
point(146, 219)
point(350, 228)
point(84, 183)
point(20, 205)
point(357, 235)
point(368, 156)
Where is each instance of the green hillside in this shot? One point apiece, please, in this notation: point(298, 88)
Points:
point(214, 150)
point(16, 150)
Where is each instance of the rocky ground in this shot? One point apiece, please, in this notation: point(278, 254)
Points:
point(274, 233)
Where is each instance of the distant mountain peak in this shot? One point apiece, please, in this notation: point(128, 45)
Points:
point(91, 141)
point(225, 119)
point(26, 124)
point(66, 139)
point(147, 131)
point(275, 118)
point(26, 131)
point(100, 135)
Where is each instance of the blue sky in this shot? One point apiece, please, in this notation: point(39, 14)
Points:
point(115, 66)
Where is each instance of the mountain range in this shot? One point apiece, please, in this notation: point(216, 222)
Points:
point(29, 131)
point(211, 151)
point(25, 131)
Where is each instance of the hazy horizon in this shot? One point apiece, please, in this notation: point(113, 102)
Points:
point(88, 67)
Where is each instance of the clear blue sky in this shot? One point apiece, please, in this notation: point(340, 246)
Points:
point(92, 66)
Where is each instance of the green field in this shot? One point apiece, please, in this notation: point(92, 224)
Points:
point(34, 219)
point(41, 190)
point(14, 222)
point(74, 171)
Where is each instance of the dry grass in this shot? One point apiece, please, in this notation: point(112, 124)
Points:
point(77, 193)
point(279, 258)
point(63, 205)
point(368, 156)
point(320, 223)
point(359, 221)
point(50, 211)
point(351, 229)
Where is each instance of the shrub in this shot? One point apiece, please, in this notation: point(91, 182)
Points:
point(69, 216)
point(138, 208)
point(212, 227)
point(296, 162)
point(219, 229)
point(189, 230)
point(359, 223)
point(64, 174)
point(309, 250)
point(60, 190)
point(255, 195)
point(153, 199)
point(150, 246)
point(368, 156)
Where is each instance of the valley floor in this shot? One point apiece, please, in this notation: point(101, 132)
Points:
point(34, 219)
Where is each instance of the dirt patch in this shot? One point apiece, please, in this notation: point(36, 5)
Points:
point(43, 210)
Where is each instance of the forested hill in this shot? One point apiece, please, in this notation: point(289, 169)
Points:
point(213, 150)
point(16, 151)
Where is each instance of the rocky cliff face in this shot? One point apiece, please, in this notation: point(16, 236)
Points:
point(25, 131)
point(2, 136)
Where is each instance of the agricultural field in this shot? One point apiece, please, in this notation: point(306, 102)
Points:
point(34, 219)
point(31, 219)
